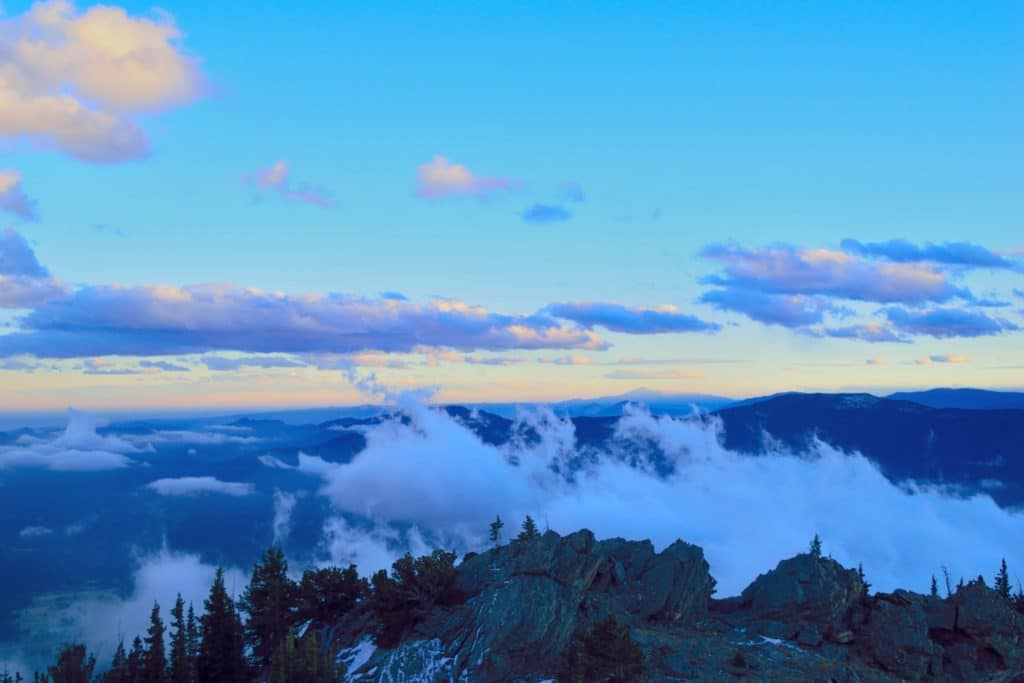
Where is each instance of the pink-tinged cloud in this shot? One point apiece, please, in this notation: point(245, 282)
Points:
point(166, 320)
point(441, 178)
point(630, 319)
point(73, 81)
point(13, 198)
point(785, 269)
point(275, 178)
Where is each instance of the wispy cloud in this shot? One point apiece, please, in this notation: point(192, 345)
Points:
point(13, 198)
point(228, 363)
point(870, 332)
point(955, 358)
point(630, 319)
point(546, 213)
point(654, 375)
point(441, 178)
point(946, 322)
point(276, 178)
point(74, 81)
point(948, 253)
point(194, 486)
point(162, 366)
point(877, 362)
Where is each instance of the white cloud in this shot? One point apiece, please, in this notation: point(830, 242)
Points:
point(78, 449)
point(193, 486)
point(441, 178)
point(284, 503)
point(74, 80)
point(437, 477)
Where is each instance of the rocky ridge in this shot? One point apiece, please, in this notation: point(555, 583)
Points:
point(809, 619)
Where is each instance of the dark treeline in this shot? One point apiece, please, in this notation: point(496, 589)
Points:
point(286, 631)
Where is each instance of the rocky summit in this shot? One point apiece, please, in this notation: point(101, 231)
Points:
point(520, 607)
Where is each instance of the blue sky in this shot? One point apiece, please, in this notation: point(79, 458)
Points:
point(676, 126)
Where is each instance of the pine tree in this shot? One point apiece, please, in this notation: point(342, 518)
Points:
point(118, 671)
point(1002, 584)
point(268, 601)
point(866, 587)
point(815, 548)
point(604, 654)
point(304, 659)
point(935, 587)
point(326, 595)
point(154, 661)
point(221, 656)
point(180, 671)
point(73, 665)
point(133, 665)
point(529, 531)
point(496, 526)
point(191, 643)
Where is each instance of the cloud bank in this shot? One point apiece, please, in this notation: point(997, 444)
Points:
point(78, 449)
point(746, 512)
point(165, 320)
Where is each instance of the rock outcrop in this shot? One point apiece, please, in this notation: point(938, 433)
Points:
point(809, 619)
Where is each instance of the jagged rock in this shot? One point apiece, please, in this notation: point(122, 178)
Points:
point(523, 602)
point(984, 617)
point(897, 636)
point(805, 589)
point(809, 619)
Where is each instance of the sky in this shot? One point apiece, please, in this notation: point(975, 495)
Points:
point(202, 206)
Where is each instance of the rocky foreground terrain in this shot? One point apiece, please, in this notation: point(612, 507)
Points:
point(520, 606)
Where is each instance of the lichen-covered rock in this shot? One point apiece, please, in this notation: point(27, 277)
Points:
point(897, 636)
point(805, 589)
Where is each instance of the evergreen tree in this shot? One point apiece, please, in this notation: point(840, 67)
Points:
point(73, 665)
point(191, 643)
point(133, 665)
point(1002, 584)
point(180, 670)
point(268, 602)
point(604, 654)
point(815, 548)
point(221, 655)
point(304, 659)
point(326, 595)
point(496, 526)
point(529, 530)
point(935, 587)
point(154, 661)
point(118, 671)
point(865, 586)
point(414, 587)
